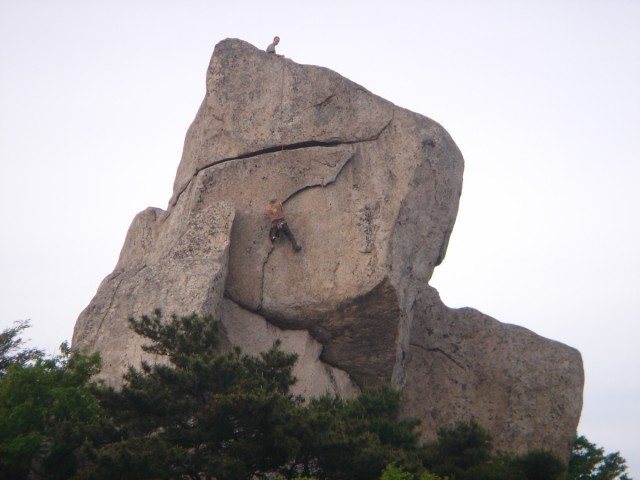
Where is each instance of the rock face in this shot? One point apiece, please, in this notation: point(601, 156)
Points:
point(525, 389)
point(256, 335)
point(179, 264)
point(371, 192)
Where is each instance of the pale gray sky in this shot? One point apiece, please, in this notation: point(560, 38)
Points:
point(542, 97)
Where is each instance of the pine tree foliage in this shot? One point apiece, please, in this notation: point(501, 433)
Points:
point(393, 472)
point(46, 415)
point(589, 462)
point(13, 350)
point(204, 414)
point(201, 412)
point(465, 452)
point(355, 439)
point(459, 449)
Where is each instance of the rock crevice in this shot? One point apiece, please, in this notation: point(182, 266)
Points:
point(438, 350)
point(280, 148)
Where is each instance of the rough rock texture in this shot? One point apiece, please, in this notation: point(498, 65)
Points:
point(523, 388)
point(256, 335)
point(179, 265)
point(371, 191)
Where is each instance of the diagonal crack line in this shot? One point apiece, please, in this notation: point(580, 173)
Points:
point(113, 298)
point(328, 365)
point(439, 350)
point(271, 320)
point(332, 377)
point(279, 148)
point(324, 102)
point(318, 185)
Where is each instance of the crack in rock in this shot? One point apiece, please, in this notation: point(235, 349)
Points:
point(284, 326)
point(113, 297)
point(278, 148)
point(324, 102)
point(335, 376)
point(439, 350)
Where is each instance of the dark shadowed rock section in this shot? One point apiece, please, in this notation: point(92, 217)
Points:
point(371, 191)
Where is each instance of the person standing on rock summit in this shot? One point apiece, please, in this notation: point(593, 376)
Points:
point(275, 212)
point(272, 46)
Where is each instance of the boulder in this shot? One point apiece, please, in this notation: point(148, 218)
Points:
point(461, 364)
point(371, 192)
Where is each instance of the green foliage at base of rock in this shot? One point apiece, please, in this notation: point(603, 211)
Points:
point(230, 416)
point(392, 472)
point(209, 414)
point(589, 462)
point(46, 414)
point(465, 452)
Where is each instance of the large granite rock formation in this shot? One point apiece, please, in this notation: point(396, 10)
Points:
point(371, 190)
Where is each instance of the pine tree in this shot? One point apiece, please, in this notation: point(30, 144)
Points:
point(46, 414)
point(589, 462)
point(13, 350)
point(204, 413)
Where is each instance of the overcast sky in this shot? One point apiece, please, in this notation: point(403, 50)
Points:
point(542, 97)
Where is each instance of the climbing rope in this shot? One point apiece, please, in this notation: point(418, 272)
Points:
point(281, 106)
point(322, 184)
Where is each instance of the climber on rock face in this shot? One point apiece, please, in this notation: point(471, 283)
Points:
point(272, 47)
point(275, 212)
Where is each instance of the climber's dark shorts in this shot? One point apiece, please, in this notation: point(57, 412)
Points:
point(278, 226)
